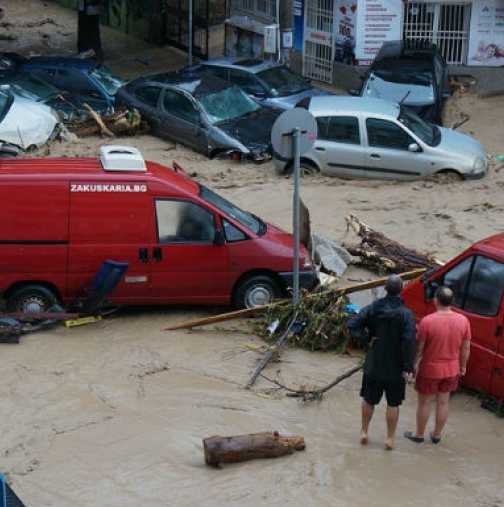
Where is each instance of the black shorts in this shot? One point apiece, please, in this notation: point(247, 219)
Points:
point(372, 391)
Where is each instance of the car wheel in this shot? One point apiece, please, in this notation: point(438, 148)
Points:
point(256, 291)
point(448, 176)
point(306, 168)
point(31, 299)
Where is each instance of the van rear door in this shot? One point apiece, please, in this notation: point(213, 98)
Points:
point(111, 220)
point(187, 266)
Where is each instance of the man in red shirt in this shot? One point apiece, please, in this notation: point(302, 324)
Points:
point(443, 346)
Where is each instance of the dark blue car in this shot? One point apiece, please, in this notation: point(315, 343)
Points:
point(93, 83)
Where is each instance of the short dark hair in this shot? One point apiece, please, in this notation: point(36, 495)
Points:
point(394, 285)
point(444, 296)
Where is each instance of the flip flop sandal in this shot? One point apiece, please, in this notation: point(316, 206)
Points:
point(410, 436)
point(435, 440)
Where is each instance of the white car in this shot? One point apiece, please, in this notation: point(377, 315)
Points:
point(24, 122)
point(372, 138)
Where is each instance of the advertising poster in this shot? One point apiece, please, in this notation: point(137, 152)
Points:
point(346, 20)
point(486, 42)
point(377, 22)
point(298, 11)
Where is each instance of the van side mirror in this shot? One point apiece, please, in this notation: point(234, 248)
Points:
point(414, 148)
point(219, 238)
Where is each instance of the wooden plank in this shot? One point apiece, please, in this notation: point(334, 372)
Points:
point(29, 316)
point(249, 312)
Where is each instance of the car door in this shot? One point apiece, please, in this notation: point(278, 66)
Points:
point(338, 147)
point(187, 265)
point(182, 121)
point(387, 152)
point(147, 100)
point(478, 285)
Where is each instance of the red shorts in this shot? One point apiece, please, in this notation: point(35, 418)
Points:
point(425, 385)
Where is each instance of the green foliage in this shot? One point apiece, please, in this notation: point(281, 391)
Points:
point(323, 322)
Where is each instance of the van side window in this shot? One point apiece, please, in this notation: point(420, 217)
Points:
point(486, 286)
point(232, 233)
point(184, 222)
point(478, 285)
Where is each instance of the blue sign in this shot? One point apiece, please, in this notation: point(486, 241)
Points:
point(298, 11)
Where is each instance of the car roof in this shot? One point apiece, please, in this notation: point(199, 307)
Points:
point(252, 65)
point(494, 245)
point(194, 82)
point(339, 105)
point(63, 169)
point(59, 61)
point(401, 51)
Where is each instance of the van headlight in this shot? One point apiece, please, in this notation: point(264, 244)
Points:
point(479, 165)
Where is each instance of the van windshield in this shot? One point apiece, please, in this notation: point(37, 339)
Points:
point(248, 220)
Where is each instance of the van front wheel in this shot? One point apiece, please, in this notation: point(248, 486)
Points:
point(256, 291)
point(31, 299)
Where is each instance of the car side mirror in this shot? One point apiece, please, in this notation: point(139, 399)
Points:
point(414, 148)
point(354, 92)
point(219, 238)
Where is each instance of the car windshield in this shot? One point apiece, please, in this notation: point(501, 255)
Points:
point(5, 103)
point(248, 220)
point(110, 82)
point(227, 104)
point(32, 87)
point(406, 75)
point(282, 82)
point(427, 132)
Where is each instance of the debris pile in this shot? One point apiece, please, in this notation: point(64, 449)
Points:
point(383, 255)
point(319, 322)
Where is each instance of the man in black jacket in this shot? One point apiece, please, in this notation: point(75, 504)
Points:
point(389, 329)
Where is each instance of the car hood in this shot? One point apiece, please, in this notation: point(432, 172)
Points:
point(252, 130)
point(419, 95)
point(290, 101)
point(283, 238)
point(461, 144)
point(27, 123)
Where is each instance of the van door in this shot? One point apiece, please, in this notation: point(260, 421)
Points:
point(478, 285)
point(187, 266)
point(111, 221)
point(497, 387)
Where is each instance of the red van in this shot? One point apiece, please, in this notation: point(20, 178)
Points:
point(477, 279)
point(61, 218)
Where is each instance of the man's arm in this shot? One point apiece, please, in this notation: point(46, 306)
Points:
point(419, 353)
point(465, 350)
point(358, 325)
point(408, 342)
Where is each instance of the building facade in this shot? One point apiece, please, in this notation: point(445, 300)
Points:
point(467, 32)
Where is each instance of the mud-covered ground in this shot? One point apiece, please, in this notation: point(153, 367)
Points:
point(112, 414)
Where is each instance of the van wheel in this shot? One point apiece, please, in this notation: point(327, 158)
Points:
point(256, 291)
point(31, 299)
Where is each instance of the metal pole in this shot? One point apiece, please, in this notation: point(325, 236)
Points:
point(190, 34)
point(295, 220)
point(278, 37)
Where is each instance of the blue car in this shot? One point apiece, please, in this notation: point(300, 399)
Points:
point(91, 82)
point(269, 83)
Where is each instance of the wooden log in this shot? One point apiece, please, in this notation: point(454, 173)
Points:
point(97, 118)
point(250, 312)
point(246, 447)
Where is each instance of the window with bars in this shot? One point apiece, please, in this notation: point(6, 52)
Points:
point(260, 8)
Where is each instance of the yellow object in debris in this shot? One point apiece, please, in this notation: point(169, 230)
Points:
point(82, 321)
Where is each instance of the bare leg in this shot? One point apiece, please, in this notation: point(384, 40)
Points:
point(442, 409)
point(423, 413)
point(392, 419)
point(367, 415)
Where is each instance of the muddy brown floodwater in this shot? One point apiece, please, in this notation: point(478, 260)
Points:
point(113, 414)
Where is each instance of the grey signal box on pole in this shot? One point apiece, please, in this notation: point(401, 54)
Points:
point(294, 133)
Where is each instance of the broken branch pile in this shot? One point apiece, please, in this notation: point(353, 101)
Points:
point(383, 255)
point(120, 123)
point(320, 322)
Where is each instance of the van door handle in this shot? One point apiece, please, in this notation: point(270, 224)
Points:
point(318, 148)
point(375, 155)
point(143, 255)
point(157, 254)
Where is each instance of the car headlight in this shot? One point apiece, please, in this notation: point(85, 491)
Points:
point(307, 263)
point(479, 165)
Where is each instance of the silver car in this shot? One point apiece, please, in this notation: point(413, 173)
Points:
point(372, 138)
point(269, 83)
